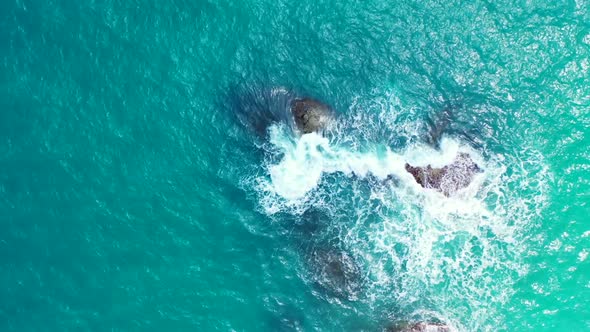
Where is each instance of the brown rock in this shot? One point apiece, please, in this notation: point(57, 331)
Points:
point(448, 179)
point(310, 115)
point(419, 327)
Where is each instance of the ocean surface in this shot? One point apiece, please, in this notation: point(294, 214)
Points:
point(150, 181)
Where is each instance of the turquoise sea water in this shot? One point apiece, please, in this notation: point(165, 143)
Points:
point(134, 194)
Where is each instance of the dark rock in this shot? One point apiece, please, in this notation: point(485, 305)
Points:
point(419, 327)
point(448, 179)
point(336, 272)
point(258, 107)
point(310, 115)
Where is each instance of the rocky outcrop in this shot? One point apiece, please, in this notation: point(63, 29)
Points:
point(310, 115)
point(419, 327)
point(448, 179)
point(336, 272)
point(258, 108)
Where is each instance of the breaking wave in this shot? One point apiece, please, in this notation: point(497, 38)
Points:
point(425, 255)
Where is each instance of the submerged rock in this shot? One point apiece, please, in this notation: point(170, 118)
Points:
point(310, 115)
point(285, 317)
point(336, 272)
point(419, 327)
point(448, 179)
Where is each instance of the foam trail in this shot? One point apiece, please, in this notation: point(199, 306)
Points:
point(306, 159)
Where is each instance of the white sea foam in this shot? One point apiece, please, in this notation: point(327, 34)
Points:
point(306, 159)
point(450, 258)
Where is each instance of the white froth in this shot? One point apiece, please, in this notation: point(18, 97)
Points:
point(460, 254)
point(307, 158)
point(302, 165)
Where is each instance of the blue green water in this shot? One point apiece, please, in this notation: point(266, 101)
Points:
point(132, 196)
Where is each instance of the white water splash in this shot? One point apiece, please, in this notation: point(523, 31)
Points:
point(451, 258)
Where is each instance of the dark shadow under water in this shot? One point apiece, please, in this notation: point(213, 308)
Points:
point(257, 108)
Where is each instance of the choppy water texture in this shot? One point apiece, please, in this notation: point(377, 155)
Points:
point(135, 194)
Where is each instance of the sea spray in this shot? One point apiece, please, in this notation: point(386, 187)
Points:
point(304, 160)
point(452, 259)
